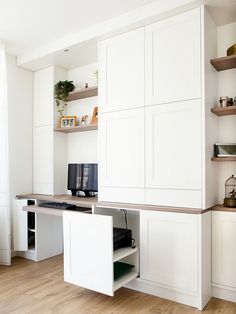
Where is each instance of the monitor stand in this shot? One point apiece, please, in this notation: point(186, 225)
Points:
point(86, 193)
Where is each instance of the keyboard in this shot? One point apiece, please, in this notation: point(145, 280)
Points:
point(63, 206)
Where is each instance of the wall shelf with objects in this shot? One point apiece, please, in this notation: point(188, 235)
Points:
point(224, 111)
point(79, 128)
point(224, 63)
point(85, 93)
point(221, 159)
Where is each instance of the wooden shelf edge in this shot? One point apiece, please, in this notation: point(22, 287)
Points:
point(224, 63)
point(222, 159)
point(222, 208)
point(224, 111)
point(85, 93)
point(79, 128)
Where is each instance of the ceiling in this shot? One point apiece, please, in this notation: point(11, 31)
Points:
point(28, 24)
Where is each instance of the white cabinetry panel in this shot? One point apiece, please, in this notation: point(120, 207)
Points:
point(43, 96)
point(223, 249)
point(173, 59)
point(88, 251)
point(20, 226)
point(122, 149)
point(122, 72)
point(43, 160)
point(173, 146)
point(169, 249)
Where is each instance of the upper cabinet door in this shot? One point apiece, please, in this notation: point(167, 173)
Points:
point(173, 146)
point(121, 73)
point(43, 96)
point(173, 59)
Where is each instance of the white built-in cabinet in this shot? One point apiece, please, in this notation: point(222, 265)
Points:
point(36, 236)
point(173, 59)
point(224, 254)
point(49, 161)
point(153, 154)
point(121, 83)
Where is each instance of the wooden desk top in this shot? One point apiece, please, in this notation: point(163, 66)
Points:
point(222, 208)
point(93, 201)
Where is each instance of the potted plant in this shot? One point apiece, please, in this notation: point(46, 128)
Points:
point(62, 90)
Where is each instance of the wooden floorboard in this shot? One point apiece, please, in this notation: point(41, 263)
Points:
point(38, 288)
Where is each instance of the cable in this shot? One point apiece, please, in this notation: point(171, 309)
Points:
point(126, 221)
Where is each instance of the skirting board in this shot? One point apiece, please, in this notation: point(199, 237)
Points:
point(5, 257)
point(223, 292)
point(165, 293)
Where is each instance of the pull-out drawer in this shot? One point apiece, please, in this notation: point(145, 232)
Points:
point(88, 253)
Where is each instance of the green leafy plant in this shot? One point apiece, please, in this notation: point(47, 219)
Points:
point(62, 90)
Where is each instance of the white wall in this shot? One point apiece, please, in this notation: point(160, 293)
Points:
point(82, 147)
point(226, 87)
point(20, 98)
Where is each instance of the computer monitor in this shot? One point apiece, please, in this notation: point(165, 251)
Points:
point(83, 178)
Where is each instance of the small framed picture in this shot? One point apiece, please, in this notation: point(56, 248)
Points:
point(95, 116)
point(84, 119)
point(68, 121)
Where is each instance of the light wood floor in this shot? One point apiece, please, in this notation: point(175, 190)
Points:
point(38, 288)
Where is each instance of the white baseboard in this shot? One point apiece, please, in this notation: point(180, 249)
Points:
point(28, 255)
point(223, 292)
point(5, 257)
point(166, 293)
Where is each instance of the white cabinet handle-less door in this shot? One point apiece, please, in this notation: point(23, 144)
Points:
point(121, 136)
point(121, 72)
point(88, 251)
point(173, 59)
point(173, 154)
point(20, 226)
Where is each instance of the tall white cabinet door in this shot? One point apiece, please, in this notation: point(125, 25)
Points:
point(173, 148)
point(43, 160)
point(169, 249)
point(223, 249)
point(121, 136)
point(88, 251)
point(43, 96)
point(173, 65)
point(121, 72)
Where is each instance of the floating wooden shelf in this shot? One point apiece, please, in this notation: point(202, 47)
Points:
point(222, 208)
point(79, 128)
point(223, 159)
point(224, 111)
point(85, 93)
point(224, 63)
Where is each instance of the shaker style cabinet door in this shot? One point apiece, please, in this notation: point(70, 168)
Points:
point(121, 143)
point(173, 154)
point(223, 249)
point(169, 249)
point(121, 72)
point(43, 160)
point(173, 53)
point(43, 96)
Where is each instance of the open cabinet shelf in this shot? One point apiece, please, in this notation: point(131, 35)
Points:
point(79, 128)
point(122, 281)
point(123, 252)
point(224, 111)
point(85, 93)
point(224, 63)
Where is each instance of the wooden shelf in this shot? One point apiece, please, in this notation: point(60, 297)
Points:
point(85, 93)
point(224, 111)
point(123, 252)
point(122, 281)
point(79, 128)
point(222, 208)
point(221, 159)
point(224, 63)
